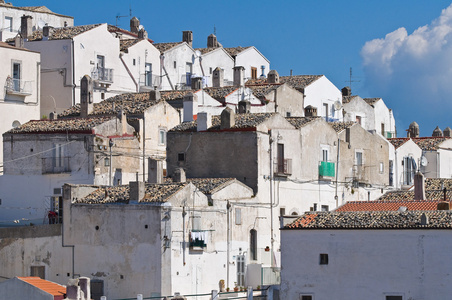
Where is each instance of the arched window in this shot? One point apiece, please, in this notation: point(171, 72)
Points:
point(253, 244)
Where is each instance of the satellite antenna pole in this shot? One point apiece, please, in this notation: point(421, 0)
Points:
point(214, 30)
point(351, 80)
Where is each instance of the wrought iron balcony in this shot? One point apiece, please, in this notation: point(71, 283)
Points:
point(102, 75)
point(283, 167)
point(18, 87)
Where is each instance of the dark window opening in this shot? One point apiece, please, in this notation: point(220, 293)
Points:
point(323, 259)
point(253, 244)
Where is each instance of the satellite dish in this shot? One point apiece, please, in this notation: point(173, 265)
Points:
point(198, 53)
point(16, 124)
point(337, 105)
point(41, 24)
point(424, 161)
point(140, 27)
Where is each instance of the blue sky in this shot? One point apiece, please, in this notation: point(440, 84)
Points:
point(315, 37)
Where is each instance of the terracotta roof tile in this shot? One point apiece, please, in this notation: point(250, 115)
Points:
point(340, 126)
point(429, 143)
point(219, 93)
point(62, 125)
point(373, 220)
point(163, 47)
point(433, 191)
point(347, 99)
point(127, 43)
point(52, 288)
point(371, 101)
point(397, 142)
point(389, 205)
point(63, 33)
point(299, 122)
point(235, 50)
point(299, 82)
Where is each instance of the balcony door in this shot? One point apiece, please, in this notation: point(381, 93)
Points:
point(148, 74)
point(280, 153)
point(16, 76)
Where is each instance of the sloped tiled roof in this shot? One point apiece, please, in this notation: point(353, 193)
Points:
point(63, 33)
point(58, 126)
point(299, 122)
point(206, 50)
point(347, 99)
point(219, 93)
point(397, 142)
point(429, 143)
point(163, 47)
point(131, 103)
point(52, 288)
point(299, 82)
point(388, 205)
point(433, 191)
point(120, 194)
point(207, 185)
point(127, 43)
point(373, 220)
point(242, 121)
point(339, 126)
point(235, 50)
point(371, 101)
point(260, 91)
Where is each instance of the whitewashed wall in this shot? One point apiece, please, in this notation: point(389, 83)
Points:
point(322, 91)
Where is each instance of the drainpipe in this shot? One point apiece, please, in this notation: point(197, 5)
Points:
point(271, 196)
point(128, 72)
point(144, 147)
point(337, 170)
point(228, 207)
point(73, 73)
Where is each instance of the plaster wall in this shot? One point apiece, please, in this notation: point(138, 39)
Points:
point(445, 159)
point(358, 108)
point(288, 101)
point(18, 289)
point(217, 58)
point(320, 92)
point(249, 58)
point(409, 263)
point(408, 149)
point(383, 115)
point(52, 19)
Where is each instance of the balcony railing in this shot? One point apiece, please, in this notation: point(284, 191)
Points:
point(327, 169)
point(271, 276)
point(149, 82)
point(283, 166)
point(18, 87)
point(102, 74)
point(55, 165)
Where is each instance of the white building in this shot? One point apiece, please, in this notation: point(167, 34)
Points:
point(407, 156)
point(39, 16)
point(255, 64)
point(367, 255)
point(19, 97)
point(384, 118)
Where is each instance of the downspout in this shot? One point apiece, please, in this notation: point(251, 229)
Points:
point(337, 170)
point(73, 73)
point(271, 197)
point(128, 71)
point(228, 207)
point(162, 67)
point(144, 148)
point(396, 170)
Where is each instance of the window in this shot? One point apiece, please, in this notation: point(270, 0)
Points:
point(134, 62)
point(181, 157)
point(358, 120)
point(306, 297)
point(394, 298)
point(8, 24)
point(56, 210)
point(391, 172)
point(16, 76)
point(359, 158)
point(162, 137)
point(210, 70)
point(107, 162)
point(253, 244)
point(97, 289)
point(314, 207)
point(38, 271)
point(325, 111)
point(238, 216)
point(324, 154)
point(253, 73)
point(323, 258)
point(280, 158)
point(408, 170)
point(188, 73)
point(325, 208)
point(382, 167)
point(383, 129)
point(282, 211)
point(148, 74)
point(174, 64)
point(58, 159)
point(288, 114)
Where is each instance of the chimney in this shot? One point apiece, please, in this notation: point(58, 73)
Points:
point(155, 95)
point(413, 130)
point(73, 291)
point(19, 41)
point(53, 116)
point(26, 28)
point(134, 25)
point(273, 77)
point(204, 121)
point(218, 77)
point(190, 107)
point(239, 76)
point(137, 190)
point(419, 186)
point(443, 206)
point(437, 132)
point(187, 36)
point(346, 91)
point(86, 96)
point(142, 34)
point(155, 171)
point(310, 111)
point(212, 41)
point(85, 286)
point(47, 32)
point(196, 83)
point(424, 219)
point(244, 107)
point(227, 118)
point(179, 175)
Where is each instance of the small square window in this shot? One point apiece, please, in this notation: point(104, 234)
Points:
point(162, 137)
point(210, 70)
point(306, 297)
point(134, 62)
point(238, 216)
point(325, 208)
point(323, 259)
point(382, 167)
point(174, 64)
point(288, 114)
point(107, 161)
point(181, 157)
point(394, 297)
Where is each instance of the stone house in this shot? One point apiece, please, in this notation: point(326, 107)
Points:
point(355, 109)
point(48, 153)
point(20, 97)
point(11, 22)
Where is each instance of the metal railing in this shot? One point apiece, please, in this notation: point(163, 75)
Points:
point(283, 166)
point(102, 74)
point(18, 86)
point(55, 165)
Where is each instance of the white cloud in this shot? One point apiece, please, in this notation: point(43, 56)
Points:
point(413, 72)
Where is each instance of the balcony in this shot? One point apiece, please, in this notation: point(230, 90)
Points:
point(327, 170)
point(270, 276)
point(18, 87)
point(283, 167)
point(148, 82)
point(56, 165)
point(102, 75)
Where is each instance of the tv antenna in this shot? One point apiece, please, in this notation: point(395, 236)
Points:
point(351, 80)
point(214, 30)
point(119, 17)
